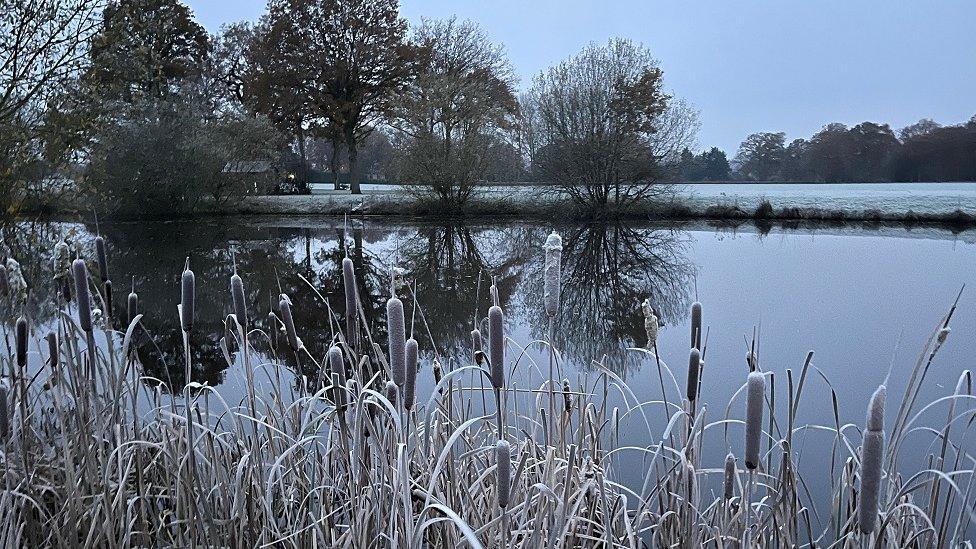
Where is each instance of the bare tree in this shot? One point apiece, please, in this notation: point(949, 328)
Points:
point(456, 110)
point(346, 58)
point(602, 128)
point(43, 45)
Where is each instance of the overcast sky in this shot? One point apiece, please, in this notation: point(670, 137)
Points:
point(748, 65)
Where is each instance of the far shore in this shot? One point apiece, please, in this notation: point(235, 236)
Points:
point(533, 204)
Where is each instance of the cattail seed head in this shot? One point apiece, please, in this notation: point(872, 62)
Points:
point(109, 309)
point(729, 483)
point(496, 346)
point(876, 409)
point(4, 413)
point(53, 351)
point(756, 394)
point(188, 290)
point(21, 342)
point(554, 250)
point(132, 306)
point(336, 363)
point(102, 258)
point(567, 397)
point(273, 330)
point(410, 383)
point(349, 284)
point(476, 343)
point(694, 370)
point(79, 272)
point(396, 334)
point(503, 455)
point(284, 306)
point(391, 392)
point(872, 456)
point(696, 325)
point(238, 299)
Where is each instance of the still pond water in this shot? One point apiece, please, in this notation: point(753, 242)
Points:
point(863, 299)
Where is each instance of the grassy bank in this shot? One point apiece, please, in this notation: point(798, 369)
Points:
point(524, 204)
point(343, 450)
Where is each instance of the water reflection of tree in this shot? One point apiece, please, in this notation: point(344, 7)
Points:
point(608, 270)
point(445, 262)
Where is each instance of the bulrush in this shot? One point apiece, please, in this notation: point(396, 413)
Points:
point(410, 383)
point(82, 298)
point(396, 339)
point(756, 394)
point(476, 343)
point(188, 294)
point(4, 413)
point(391, 393)
point(729, 485)
point(554, 251)
point(53, 351)
point(696, 325)
point(238, 300)
point(284, 307)
point(496, 346)
point(21, 342)
point(872, 454)
point(102, 258)
point(349, 285)
point(336, 363)
point(567, 398)
point(503, 456)
point(132, 306)
point(694, 369)
point(109, 309)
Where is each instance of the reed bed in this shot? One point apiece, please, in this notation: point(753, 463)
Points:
point(355, 455)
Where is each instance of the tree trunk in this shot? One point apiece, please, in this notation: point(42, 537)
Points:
point(303, 170)
point(353, 151)
point(334, 161)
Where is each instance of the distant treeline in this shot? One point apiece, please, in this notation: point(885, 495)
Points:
point(867, 152)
